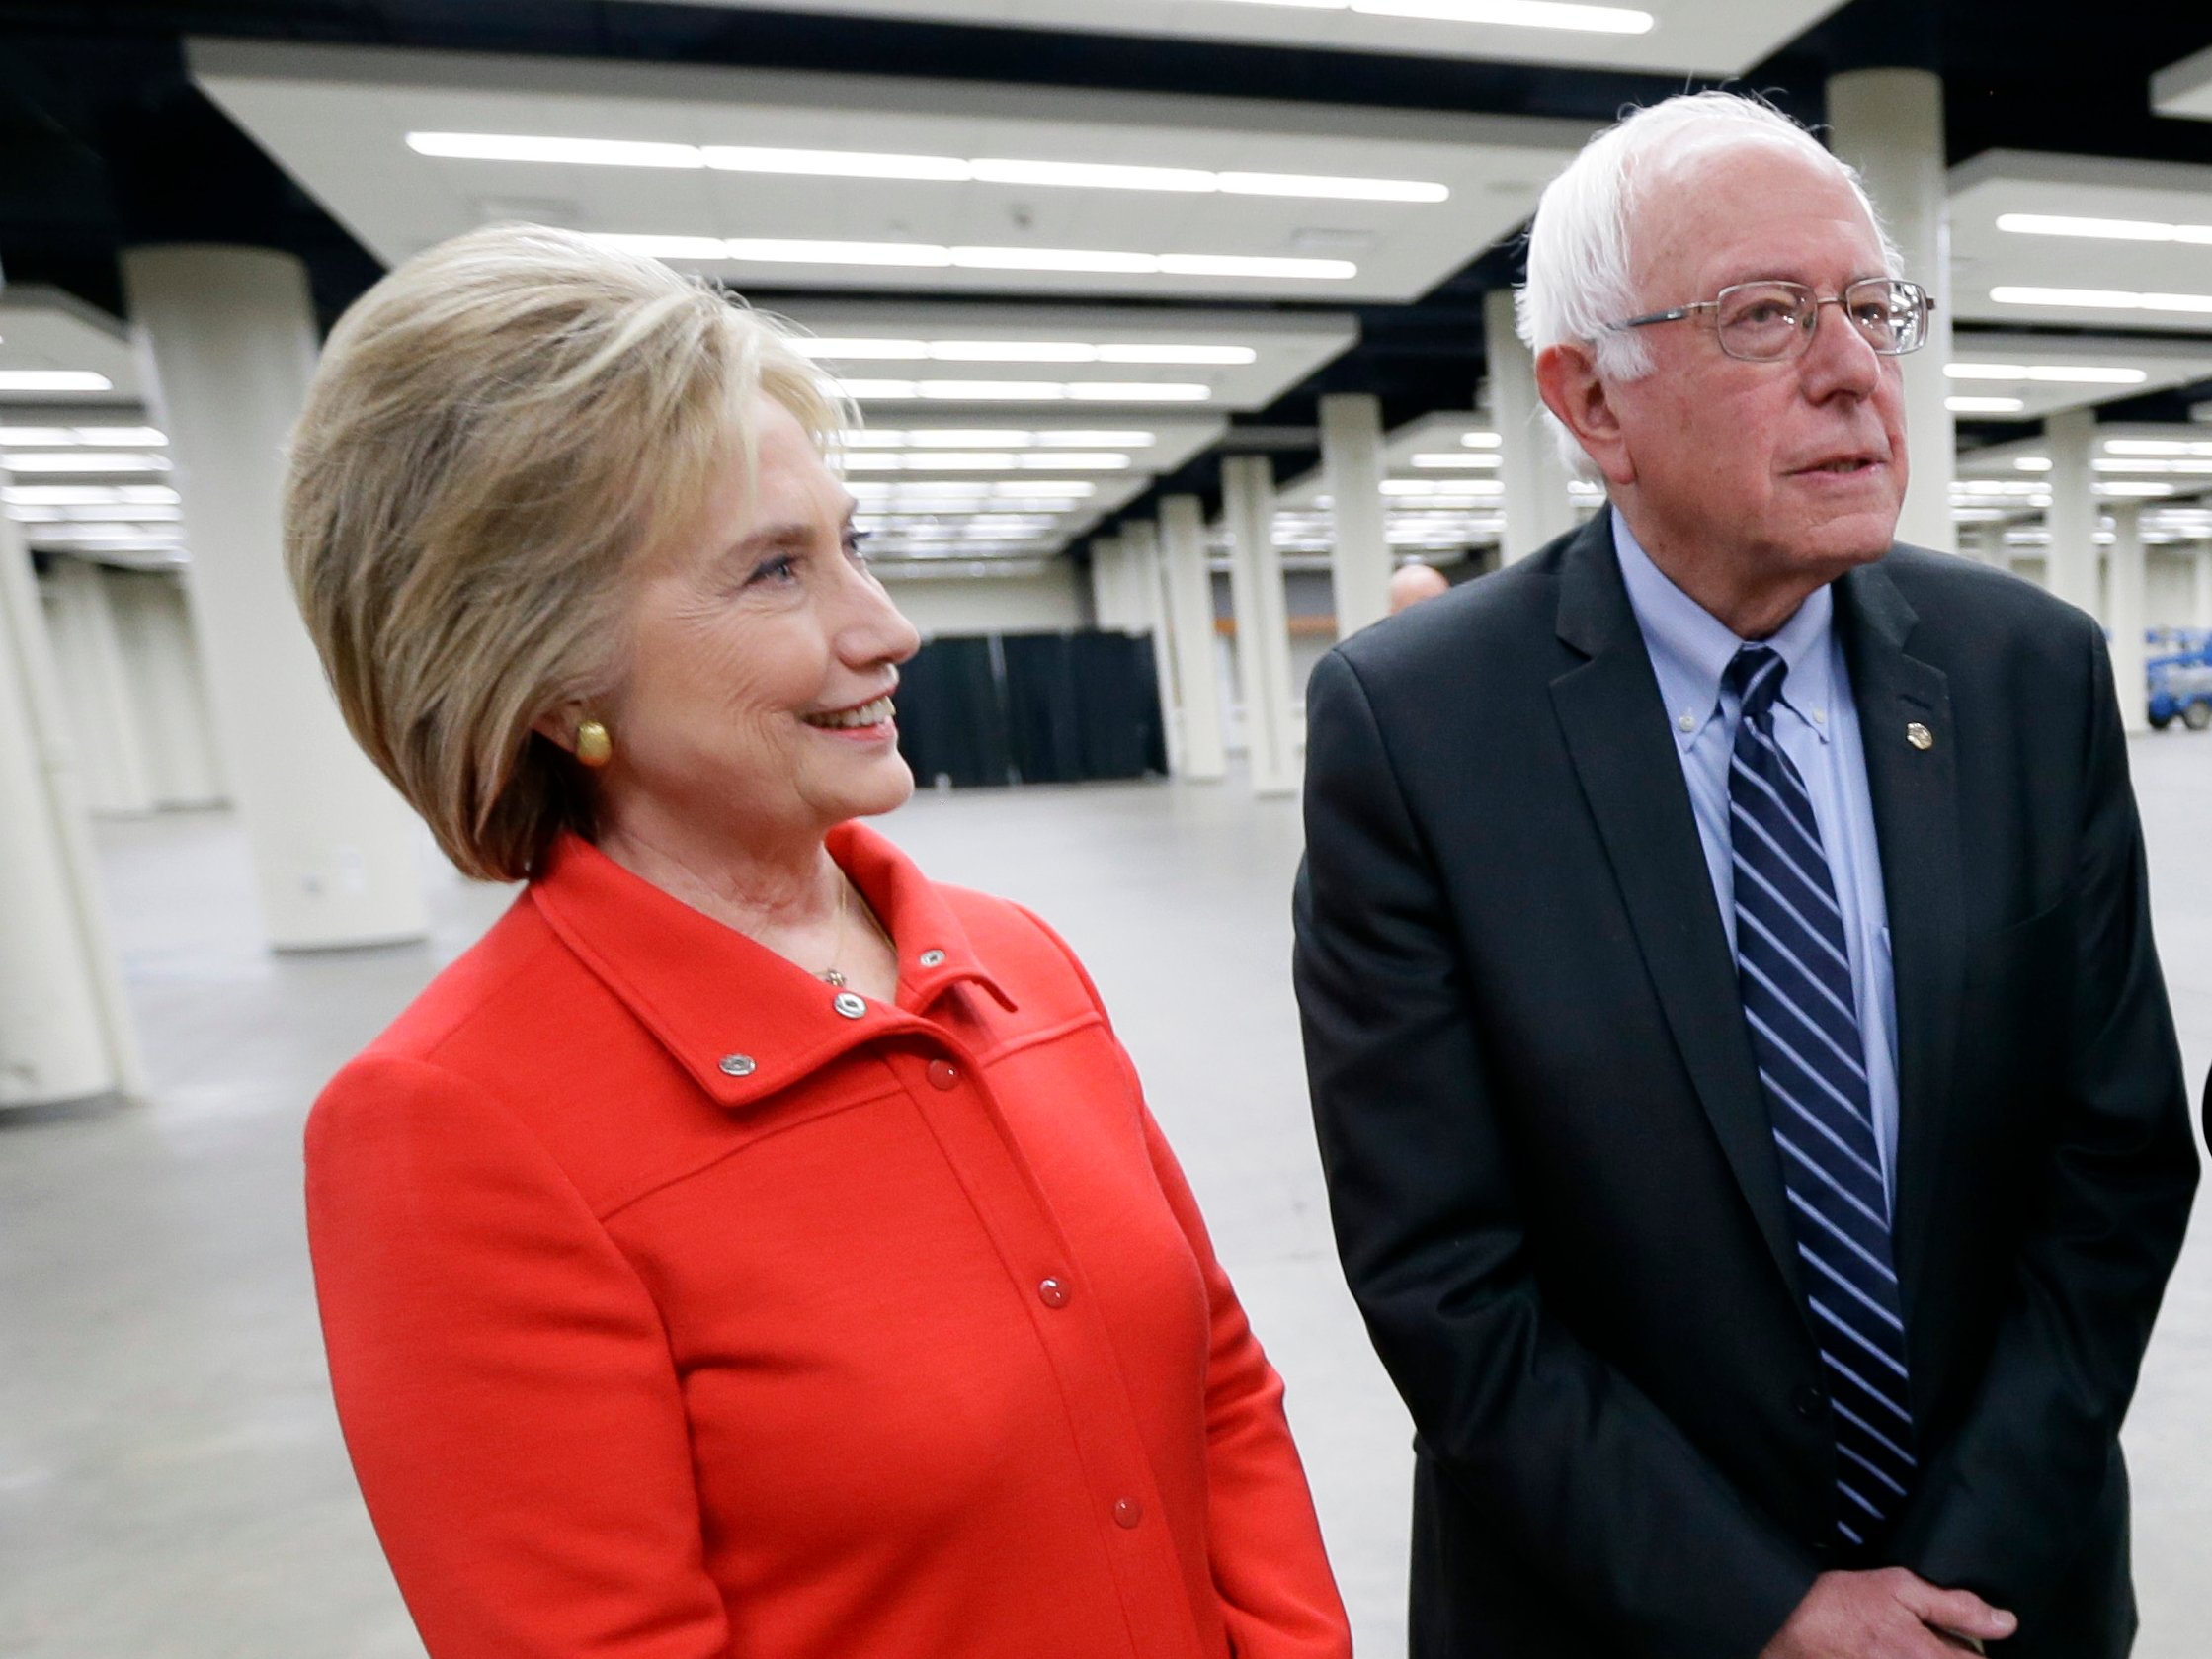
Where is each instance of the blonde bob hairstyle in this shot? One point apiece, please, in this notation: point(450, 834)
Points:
point(498, 434)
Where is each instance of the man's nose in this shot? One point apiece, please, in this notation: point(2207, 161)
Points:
point(1839, 357)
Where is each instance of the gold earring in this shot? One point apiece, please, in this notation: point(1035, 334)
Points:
point(593, 748)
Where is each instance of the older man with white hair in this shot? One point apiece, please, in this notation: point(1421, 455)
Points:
point(1753, 1118)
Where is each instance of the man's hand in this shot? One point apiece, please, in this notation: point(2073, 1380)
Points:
point(1886, 1614)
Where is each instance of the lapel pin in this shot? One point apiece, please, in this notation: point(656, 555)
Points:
point(1919, 736)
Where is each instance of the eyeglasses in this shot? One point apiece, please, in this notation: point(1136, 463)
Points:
point(1769, 321)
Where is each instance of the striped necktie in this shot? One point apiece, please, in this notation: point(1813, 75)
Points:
point(1793, 970)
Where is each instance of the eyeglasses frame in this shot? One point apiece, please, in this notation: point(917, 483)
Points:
point(1681, 313)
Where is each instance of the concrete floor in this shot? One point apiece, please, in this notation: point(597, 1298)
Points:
point(171, 1478)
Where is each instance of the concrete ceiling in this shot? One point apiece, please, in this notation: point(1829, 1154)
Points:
point(1718, 38)
point(338, 119)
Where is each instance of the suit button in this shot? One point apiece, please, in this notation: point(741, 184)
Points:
point(1809, 1403)
point(1052, 1293)
point(1127, 1513)
point(944, 1074)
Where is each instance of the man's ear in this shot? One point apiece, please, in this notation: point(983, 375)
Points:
point(1568, 381)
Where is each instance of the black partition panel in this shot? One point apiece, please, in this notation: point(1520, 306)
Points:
point(952, 715)
point(1032, 708)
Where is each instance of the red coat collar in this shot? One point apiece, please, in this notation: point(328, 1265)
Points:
point(739, 1018)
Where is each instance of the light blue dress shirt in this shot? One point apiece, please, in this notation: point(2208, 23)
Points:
point(1816, 724)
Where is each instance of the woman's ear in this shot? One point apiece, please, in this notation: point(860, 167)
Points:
point(558, 725)
point(1568, 380)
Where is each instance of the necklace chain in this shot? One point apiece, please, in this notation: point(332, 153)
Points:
point(833, 974)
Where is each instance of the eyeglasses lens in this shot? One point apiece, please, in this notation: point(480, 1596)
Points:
point(1768, 320)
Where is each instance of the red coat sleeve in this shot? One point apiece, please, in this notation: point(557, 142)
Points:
point(504, 1383)
point(1279, 1597)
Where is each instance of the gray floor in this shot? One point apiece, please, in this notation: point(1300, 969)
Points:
point(171, 1480)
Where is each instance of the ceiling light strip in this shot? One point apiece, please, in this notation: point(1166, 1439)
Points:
point(934, 169)
point(769, 250)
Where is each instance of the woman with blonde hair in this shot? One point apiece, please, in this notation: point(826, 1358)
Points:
point(750, 1246)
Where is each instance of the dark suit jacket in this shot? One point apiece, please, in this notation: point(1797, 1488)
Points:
point(1555, 1189)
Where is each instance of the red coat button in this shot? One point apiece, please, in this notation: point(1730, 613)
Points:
point(1052, 1293)
point(944, 1074)
point(1127, 1512)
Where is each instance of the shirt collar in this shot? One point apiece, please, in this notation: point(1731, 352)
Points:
point(1691, 648)
point(742, 1019)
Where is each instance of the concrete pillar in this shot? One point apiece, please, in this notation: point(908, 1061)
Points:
point(228, 338)
point(1140, 543)
point(1189, 588)
point(1529, 465)
point(182, 768)
point(65, 1027)
point(2204, 587)
point(1248, 501)
point(2071, 515)
point(103, 714)
point(1360, 543)
point(2126, 616)
point(1105, 584)
point(1889, 125)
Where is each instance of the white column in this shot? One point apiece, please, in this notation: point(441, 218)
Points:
point(229, 340)
point(1247, 503)
point(1105, 584)
point(102, 713)
point(2072, 516)
point(1140, 542)
point(1360, 543)
point(1889, 125)
point(1189, 587)
point(2126, 620)
point(1537, 506)
point(65, 1028)
point(182, 768)
point(2204, 587)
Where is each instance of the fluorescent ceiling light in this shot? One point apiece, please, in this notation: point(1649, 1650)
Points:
point(2101, 300)
point(573, 152)
point(993, 437)
point(1095, 175)
point(2123, 487)
point(77, 495)
point(2158, 447)
point(758, 250)
point(1137, 391)
point(1984, 405)
point(1018, 351)
point(1025, 391)
point(787, 250)
point(1513, 14)
point(2122, 464)
point(2105, 230)
point(27, 436)
point(2057, 374)
point(942, 169)
point(2031, 463)
point(850, 350)
point(1516, 14)
point(1455, 459)
point(982, 392)
point(1480, 440)
point(83, 461)
point(53, 379)
point(123, 437)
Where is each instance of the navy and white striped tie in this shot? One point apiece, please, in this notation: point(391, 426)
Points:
point(1793, 966)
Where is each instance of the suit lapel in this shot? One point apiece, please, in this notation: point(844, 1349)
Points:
point(1615, 728)
point(1915, 792)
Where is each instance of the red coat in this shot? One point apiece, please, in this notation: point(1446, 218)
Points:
point(672, 1312)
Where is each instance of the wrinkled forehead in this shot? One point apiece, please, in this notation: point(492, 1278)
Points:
point(1732, 191)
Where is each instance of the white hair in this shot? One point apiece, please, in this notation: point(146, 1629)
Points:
point(1581, 283)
